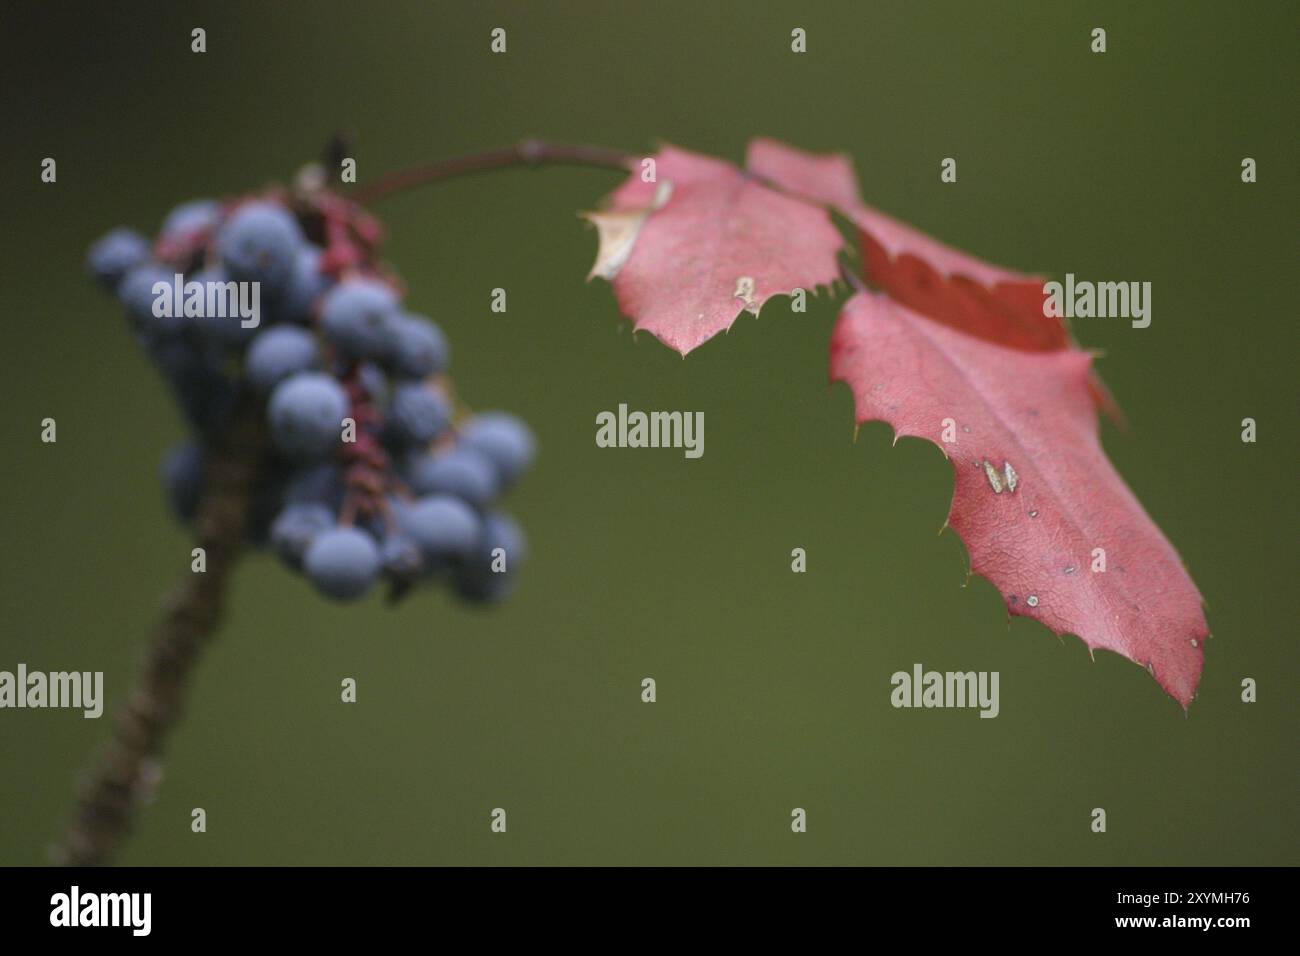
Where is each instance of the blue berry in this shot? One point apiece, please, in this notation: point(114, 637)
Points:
point(260, 243)
point(221, 294)
point(200, 385)
point(417, 414)
point(398, 508)
point(343, 563)
point(401, 557)
point(296, 527)
point(306, 284)
point(136, 292)
point(444, 527)
point(462, 472)
point(358, 316)
point(491, 572)
point(375, 382)
point(116, 254)
point(306, 413)
point(417, 348)
point(317, 484)
point(191, 217)
point(277, 353)
point(182, 471)
point(505, 440)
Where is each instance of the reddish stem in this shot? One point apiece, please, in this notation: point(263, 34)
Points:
point(528, 152)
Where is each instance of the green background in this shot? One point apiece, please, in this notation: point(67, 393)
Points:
point(773, 687)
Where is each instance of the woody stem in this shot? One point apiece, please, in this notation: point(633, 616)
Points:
point(527, 152)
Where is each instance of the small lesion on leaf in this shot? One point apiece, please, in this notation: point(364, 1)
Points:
point(745, 292)
point(1007, 478)
point(992, 474)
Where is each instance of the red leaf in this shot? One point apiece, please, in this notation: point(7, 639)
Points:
point(921, 272)
point(822, 177)
point(1033, 538)
point(926, 275)
point(688, 253)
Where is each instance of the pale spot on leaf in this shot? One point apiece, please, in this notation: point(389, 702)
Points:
point(745, 292)
point(992, 474)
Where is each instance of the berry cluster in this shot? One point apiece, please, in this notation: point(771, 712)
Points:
point(375, 474)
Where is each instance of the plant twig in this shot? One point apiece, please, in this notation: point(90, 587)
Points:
point(527, 152)
point(128, 770)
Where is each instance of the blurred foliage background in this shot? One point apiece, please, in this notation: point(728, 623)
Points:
point(773, 687)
